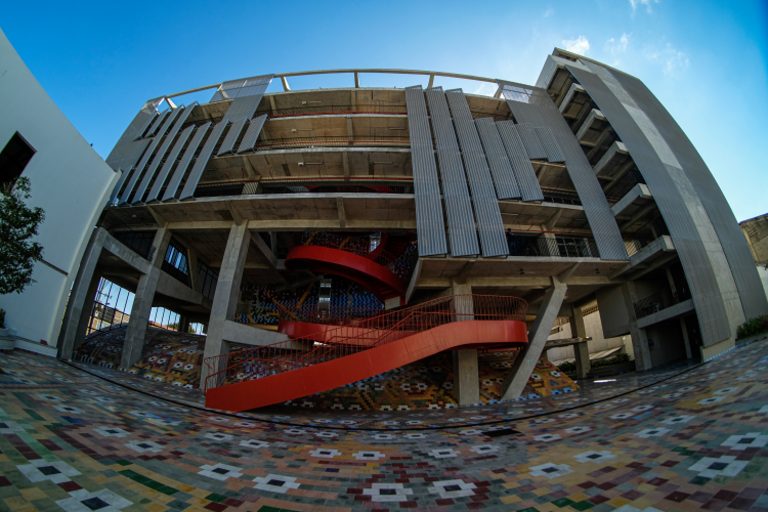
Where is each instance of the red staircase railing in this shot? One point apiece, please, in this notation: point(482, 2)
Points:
point(291, 354)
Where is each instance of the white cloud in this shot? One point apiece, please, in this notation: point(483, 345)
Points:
point(648, 4)
point(579, 45)
point(616, 48)
point(671, 60)
point(549, 12)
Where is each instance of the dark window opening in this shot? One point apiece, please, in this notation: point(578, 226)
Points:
point(14, 158)
point(176, 262)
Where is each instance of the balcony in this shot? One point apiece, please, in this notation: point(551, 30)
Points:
point(662, 306)
point(558, 246)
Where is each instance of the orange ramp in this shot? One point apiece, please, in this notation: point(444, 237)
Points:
point(327, 375)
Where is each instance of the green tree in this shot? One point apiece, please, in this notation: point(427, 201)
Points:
point(18, 224)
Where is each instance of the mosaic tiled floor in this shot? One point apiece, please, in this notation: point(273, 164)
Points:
point(73, 441)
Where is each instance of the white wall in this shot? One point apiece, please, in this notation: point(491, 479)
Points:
point(69, 181)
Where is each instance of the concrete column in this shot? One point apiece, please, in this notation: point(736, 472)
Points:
point(550, 244)
point(466, 376)
point(580, 350)
point(227, 294)
point(686, 339)
point(639, 337)
point(81, 297)
point(136, 332)
point(539, 332)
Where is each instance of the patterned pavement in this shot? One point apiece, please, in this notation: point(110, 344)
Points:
point(73, 441)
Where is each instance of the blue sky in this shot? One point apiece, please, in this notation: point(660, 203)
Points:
point(707, 61)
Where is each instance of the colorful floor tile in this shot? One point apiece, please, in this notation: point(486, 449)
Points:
point(95, 439)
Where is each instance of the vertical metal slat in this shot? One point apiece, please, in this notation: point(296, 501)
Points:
point(462, 232)
point(526, 177)
point(186, 159)
point(202, 160)
point(430, 222)
point(501, 168)
point(490, 227)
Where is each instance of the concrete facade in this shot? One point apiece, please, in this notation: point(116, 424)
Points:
point(574, 192)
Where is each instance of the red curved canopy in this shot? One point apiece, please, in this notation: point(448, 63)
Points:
point(376, 278)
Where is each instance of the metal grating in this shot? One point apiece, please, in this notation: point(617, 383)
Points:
point(462, 232)
point(490, 227)
point(186, 159)
point(430, 223)
point(501, 168)
point(530, 189)
point(171, 159)
point(202, 160)
point(255, 126)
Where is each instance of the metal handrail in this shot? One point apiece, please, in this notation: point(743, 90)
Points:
point(286, 355)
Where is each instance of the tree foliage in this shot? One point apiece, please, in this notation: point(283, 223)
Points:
point(18, 224)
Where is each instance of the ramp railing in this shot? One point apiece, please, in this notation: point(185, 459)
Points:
point(292, 354)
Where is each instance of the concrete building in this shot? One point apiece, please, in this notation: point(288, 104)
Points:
point(68, 180)
point(577, 191)
point(756, 232)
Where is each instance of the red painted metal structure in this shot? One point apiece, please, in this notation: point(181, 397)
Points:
point(362, 270)
point(294, 368)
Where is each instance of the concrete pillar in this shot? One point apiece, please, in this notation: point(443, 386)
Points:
point(539, 332)
point(686, 339)
point(466, 376)
point(580, 350)
point(81, 297)
point(550, 244)
point(226, 296)
point(639, 337)
point(136, 332)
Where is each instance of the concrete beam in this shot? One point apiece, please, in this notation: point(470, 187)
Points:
point(529, 356)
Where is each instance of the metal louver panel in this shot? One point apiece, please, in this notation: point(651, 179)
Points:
point(169, 162)
point(501, 168)
point(186, 159)
point(551, 147)
point(531, 141)
point(462, 232)
point(541, 111)
point(119, 185)
point(139, 170)
point(156, 123)
point(490, 227)
point(430, 223)
point(252, 134)
point(228, 144)
point(526, 177)
point(202, 160)
point(179, 120)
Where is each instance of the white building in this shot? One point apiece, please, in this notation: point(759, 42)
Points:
point(68, 179)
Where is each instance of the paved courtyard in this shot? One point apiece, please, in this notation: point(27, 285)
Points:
point(686, 439)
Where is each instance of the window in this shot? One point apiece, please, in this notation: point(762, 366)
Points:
point(176, 257)
point(14, 158)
